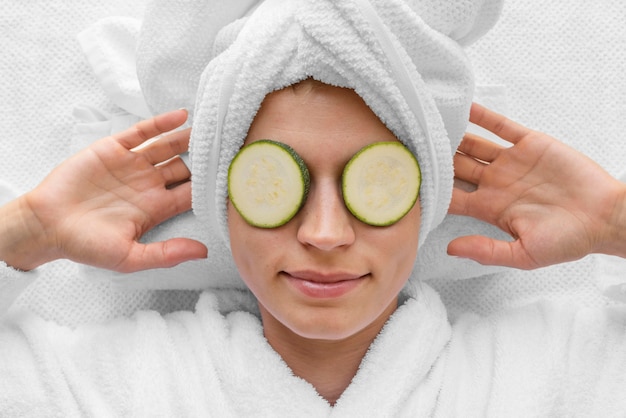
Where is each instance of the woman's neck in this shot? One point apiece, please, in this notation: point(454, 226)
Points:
point(328, 365)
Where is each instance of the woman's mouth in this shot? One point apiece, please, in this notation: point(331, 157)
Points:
point(324, 286)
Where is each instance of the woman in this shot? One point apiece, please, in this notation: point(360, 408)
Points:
point(336, 328)
point(334, 342)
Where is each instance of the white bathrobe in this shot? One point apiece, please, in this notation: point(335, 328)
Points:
point(542, 360)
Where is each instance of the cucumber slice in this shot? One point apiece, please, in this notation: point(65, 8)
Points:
point(267, 183)
point(381, 183)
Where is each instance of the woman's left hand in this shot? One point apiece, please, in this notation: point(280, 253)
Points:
point(557, 204)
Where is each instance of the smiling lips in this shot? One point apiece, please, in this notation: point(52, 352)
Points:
point(324, 286)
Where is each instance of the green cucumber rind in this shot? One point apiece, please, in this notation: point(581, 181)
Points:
point(304, 177)
point(346, 192)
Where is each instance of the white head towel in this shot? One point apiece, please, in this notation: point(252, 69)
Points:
point(219, 59)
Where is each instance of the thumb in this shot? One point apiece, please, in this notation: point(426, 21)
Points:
point(489, 251)
point(163, 254)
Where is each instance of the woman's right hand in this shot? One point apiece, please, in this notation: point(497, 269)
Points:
point(94, 207)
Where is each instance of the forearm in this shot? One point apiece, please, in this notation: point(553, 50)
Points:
point(23, 241)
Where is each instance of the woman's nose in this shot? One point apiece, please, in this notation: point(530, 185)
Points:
point(325, 222)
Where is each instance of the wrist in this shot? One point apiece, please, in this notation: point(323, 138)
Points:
point(24, 242)
point(613, 240)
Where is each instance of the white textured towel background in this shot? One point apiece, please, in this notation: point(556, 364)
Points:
point(554, 66)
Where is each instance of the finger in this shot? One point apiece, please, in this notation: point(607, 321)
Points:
point(147, 129)
point(177, 200)
point(174, 171)
point(162, 254)
point(469, 204)
point(166, 147)
point(489, 251)
point(170, 202)
point(479, 148)
point(497, 124)
point(467, 168)
point(459, 203)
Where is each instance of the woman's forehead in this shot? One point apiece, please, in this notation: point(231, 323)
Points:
point(315, 113)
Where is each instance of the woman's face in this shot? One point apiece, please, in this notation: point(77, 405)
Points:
point(324, 274)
